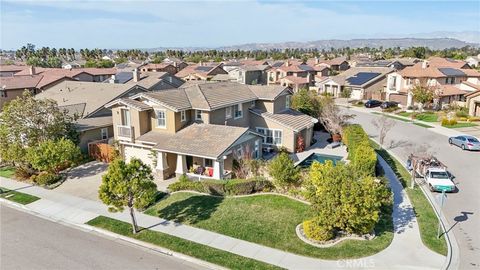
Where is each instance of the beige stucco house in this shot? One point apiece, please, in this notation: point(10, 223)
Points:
point(207, 125)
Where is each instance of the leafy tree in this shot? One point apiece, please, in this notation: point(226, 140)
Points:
point(128, 185)
point(424, 94)
point(26, 122)
point(53, 156)
point(306, 102)
point(283, 171)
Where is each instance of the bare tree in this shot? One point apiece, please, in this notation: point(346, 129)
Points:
point(384, 125)
point(331, 117)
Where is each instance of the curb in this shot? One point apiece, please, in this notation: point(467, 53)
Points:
point(452, 258)
point(105, 233)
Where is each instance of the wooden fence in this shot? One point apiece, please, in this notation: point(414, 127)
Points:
point(101, 151)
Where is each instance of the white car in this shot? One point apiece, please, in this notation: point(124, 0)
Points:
point(439, 179)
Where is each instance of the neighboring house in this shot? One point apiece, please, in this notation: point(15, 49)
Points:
point(284, 75)
point(176, 62)
point(153, 81)
point(397, 64)
point(363, 83)
point(14, 86)
point(86, 102)
point(207, 124)
point(472, 101)
point(448, 78)
point(473, 61)
point(10, 70)
point(200, 72)
point(249, 74)
point(162, 67)
point(336, 64)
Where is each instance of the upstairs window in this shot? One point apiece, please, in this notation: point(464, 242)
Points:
point(183, 116)
point(228, 112)
point(104, 133)
point(238, 113)
point(288, 100)
point(198, 115)
point(450, 80)
point(161, 118)
point(125, 117)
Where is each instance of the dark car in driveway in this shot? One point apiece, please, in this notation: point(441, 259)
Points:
point(372, 103)
point(389, 104)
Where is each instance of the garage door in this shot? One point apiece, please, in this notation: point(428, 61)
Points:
point(402, 99)
point(356, 94)
point(136, 152)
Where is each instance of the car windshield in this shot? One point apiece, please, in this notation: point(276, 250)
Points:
point(439, 175)
point(472, 139)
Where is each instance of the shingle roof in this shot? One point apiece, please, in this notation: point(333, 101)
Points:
point(13, 68)
point(342, 77)
point(210, 96)
point(475, 86)
point(450, 90)
point(94, 95)
point(130, 103)
point(289, 118)
point(267, 92)
point(176, 99)
point(296, 80)
point(20, 82)
point(204, 140)
point(93, 123)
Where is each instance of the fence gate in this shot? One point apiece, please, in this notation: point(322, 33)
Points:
point(101, 151)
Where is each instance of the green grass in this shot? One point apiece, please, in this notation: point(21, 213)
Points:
point(425, 116)
point(206, 253)
point(405, 114)
point(7, 172)
point(393, 117)
point(427, 220)
point(268, 220)
point(462, 125)
point(16, 196)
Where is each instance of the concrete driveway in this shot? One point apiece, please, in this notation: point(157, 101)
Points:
point(84, 180)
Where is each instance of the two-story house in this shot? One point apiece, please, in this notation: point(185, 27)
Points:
point(451, 81)
point(295, 74)
point(200, 72)
point(207, 125)
point(161, 67)
point(249, 74)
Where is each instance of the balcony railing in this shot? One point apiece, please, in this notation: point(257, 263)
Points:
point(125, 133)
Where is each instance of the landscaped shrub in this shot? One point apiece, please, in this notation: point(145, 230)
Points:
point(474, 119)
point(449, 122)
point(313, 230)
point(461, 113)
point(364, 159)
point(223, 187)
point(22, 173)
point(214, 187)
point(186, 185)
point(239, 187)
point(54, 156)
point(283, 171)
point(46, 178)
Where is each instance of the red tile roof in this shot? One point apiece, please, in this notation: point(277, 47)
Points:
point(296, 80)
point(20, 82)
point(450, 90)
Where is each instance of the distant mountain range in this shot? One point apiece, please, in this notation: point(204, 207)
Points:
point(435, 40)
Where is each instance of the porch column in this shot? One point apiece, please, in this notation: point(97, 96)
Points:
point(218, 169)
point(181, 164)
point(161, 161)
point(409, 99)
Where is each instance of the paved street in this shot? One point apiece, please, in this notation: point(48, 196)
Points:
point(29, 242)
point(463, 208)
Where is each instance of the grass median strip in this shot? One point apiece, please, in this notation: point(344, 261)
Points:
point(461, 125)
point(393, 117)
point(202, 252)
point(267, 219)
point(16, 196)
point(427, 220)
point(7, 172)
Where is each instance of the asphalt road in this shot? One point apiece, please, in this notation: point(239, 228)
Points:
point(30, 242)
point(462, 209)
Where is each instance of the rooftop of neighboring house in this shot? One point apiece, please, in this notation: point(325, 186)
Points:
point(84, 124)
point(294, 66)
point(296, 80)
point(156, 66)
point(253, 62)
point(13, 68)
point(222, 78)
point(84, 97)
point(254, 67)
point(206, 140)
point(269, 92)
point(20, 82)
point(472, 85)
point(361, 76)
point(426, 70)
point(450, 90)
point(435, 61)
point(289, 118)
point(335, 61)
point(201, 69)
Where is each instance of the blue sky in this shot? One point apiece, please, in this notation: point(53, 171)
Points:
point(147, 24)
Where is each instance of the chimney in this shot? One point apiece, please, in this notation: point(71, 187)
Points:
point(309, 77)
point(113, 79)
point(32, 70)
point(425, 64)
point(286, 63)
point(175, 64)
point(200, 63)
point(317, 61)
point(136, 75)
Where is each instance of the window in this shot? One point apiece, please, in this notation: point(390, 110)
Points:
point(208, 162)
point(288, 101)
point(125, 117)
point(252, 104)
point(451, 80)
point(238, 113)
point(3, 93)
point(256, 152)
point(228, 112)
point(272, 136)
point(409, 81)
point(183, 116)
point(161, 118)
point(104, 133)
point(198, 115)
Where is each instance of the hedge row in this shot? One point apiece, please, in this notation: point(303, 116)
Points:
point(361, 154)
point(223, 187)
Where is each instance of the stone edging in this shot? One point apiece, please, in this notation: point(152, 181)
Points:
point(330, 243)
point(241, 196)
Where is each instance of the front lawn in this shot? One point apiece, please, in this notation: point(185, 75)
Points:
point(427, 220)
point(461, 125)
point(16, 196)
point(180, 245)
point(268, 220)
point(7, 172)
point(425, 116)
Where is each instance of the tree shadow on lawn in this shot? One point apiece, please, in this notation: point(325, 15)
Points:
point(191, 210)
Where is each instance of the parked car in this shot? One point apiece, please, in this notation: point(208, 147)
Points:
point(465, 142)
point(389, 104)
point(372, 103)
point(439, 179)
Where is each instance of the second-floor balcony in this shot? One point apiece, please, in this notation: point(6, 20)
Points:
point(125, 133)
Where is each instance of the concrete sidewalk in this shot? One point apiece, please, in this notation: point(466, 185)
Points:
point(405, 252)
